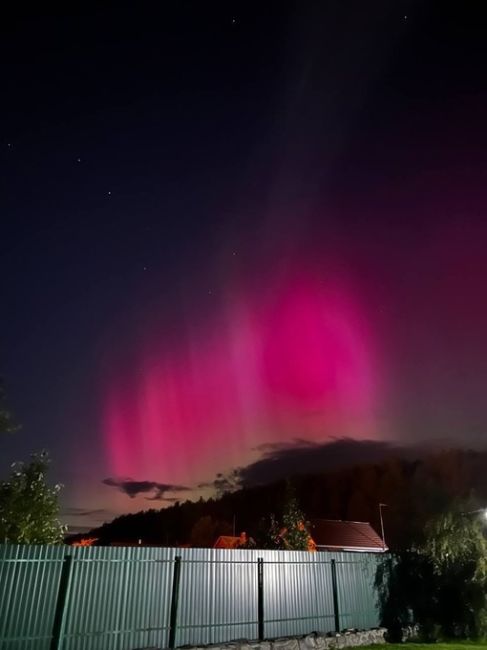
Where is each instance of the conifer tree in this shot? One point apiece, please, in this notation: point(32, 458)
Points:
point(295, 535)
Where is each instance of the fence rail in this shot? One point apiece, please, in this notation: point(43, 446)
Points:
point(95, 598)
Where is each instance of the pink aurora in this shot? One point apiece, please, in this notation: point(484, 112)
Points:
point(293, 360)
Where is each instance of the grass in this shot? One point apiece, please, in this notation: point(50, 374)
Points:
point(454, 645)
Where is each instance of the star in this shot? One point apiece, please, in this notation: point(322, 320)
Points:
point(109, 193)
point(9, 145)
point(405, 17)
point(234, 21)
point(78, 160)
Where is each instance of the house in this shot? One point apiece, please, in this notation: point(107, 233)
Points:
point(229, 541)
point(84, 541)
point(337, 535)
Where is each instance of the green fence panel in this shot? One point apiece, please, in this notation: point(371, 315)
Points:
point(116, 598)
point(29, 585)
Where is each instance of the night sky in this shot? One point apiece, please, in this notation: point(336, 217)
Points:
point(233, 227)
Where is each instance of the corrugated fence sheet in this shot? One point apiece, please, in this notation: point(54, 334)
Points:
point(113, 598)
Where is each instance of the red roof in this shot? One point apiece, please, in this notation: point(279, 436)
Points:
point(227, 541)
point(335, 535)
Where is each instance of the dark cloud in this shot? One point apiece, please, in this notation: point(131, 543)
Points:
point(156, 491)
point(277, 461)
point(82, 520)
point(224, 483)
point(269, 448)
point(78, 530)
point(84, 512)
point(280, 460)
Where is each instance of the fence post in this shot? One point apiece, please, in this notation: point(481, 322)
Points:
point(60, 612)
point(174, 601)
point(260, 597)
point(334, 584)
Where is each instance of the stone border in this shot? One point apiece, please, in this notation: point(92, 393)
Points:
point(314, 641)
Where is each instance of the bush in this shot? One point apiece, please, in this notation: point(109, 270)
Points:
point(29, 507)
point(440, 586)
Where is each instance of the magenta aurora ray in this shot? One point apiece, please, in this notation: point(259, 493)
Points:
point(294, 359)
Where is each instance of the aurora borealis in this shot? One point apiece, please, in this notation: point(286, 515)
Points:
point(293, 357)
point(232, 228)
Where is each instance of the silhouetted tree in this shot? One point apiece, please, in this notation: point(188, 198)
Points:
point(206, 530)
point(416, 490)
point(290, 532)
point(29, 507)
point(440, 585)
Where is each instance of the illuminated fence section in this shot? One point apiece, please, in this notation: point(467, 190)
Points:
point(298, 593)
point(105, 598)
point(218, 596)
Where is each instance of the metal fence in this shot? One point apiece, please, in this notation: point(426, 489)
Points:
point(105, 598)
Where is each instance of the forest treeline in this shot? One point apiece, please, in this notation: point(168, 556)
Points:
point(414, 491)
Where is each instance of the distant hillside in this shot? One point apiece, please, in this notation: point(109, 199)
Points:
point(413, 489)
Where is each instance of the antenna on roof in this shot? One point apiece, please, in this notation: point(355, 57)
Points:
point(382, 505)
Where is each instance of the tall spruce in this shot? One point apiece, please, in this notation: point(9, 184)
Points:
point(295, 535)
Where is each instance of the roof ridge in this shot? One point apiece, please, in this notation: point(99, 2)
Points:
point(342, 521)
point(356, 533)
point(361, 532)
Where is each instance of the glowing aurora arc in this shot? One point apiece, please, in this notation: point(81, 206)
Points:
point(295, 360)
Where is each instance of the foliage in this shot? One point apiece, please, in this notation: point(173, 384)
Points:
point(206, 530)
point(405, 596)
point(416, 490)
point(246, 541)
point(294, 533)
point(29, 507)
point(456, 549)
point(454, 540)
point(290, 533)
point(268, 534)
point(440, 585)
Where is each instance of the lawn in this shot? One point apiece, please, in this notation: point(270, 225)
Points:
point(461, 645)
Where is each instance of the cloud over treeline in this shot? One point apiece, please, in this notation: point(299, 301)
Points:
point(284, 459)
point(276, 462)
point(156, 491)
